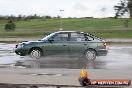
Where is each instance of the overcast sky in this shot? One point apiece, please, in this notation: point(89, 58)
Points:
point(72, 8)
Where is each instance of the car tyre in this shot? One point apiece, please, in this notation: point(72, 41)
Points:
point(90, 55)
point(35, 53)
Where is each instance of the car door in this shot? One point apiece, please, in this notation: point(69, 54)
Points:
point(77, 43)
point(58, 45)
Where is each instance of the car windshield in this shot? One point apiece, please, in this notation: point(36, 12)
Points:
point(48, 36)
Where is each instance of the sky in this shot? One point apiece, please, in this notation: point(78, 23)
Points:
point(71, 8)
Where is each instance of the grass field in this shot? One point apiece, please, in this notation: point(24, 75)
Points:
point(106, 28)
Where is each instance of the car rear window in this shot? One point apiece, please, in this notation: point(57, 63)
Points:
point(77, 37)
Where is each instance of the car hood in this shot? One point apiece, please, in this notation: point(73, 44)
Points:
point(29, 42)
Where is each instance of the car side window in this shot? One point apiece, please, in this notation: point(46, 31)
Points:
point(61, 37)
point(88, 38)
point(77, 37)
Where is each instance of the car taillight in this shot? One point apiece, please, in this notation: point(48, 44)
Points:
point(105, 44)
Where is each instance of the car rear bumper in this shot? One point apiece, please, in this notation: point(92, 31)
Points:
point(21, 52)
point(102, 52)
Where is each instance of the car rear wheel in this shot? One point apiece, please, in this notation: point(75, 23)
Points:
point(90, 55)
point(35, 53)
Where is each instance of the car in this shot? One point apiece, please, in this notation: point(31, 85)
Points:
point(64, 42)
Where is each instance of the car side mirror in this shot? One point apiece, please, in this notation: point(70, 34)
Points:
point(50, 40)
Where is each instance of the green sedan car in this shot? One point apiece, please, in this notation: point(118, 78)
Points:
point(64, 42)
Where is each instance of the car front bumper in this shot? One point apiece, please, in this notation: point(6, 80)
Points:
point(21, 52)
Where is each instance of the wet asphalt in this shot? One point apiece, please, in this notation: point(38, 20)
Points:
point(64, 70)
point(119, 57)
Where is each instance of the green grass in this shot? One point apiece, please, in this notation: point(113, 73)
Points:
point(106, 28)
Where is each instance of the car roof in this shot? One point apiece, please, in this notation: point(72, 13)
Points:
point(68, 32)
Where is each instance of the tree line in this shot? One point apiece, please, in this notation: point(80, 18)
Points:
point(25, 18)
point(10, 25)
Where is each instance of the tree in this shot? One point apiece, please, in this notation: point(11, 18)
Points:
point(10, 26)
point(124, 7)
point(19, 17)
point(121, 8)
point(130, 7)
point(48, 17)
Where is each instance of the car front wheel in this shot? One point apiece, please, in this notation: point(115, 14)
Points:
point(90, 55)
point(35, 53)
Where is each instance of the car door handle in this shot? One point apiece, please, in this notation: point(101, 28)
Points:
point(64, 45)
point(85, 44)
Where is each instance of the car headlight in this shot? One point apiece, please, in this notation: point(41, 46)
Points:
point(20, 46)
